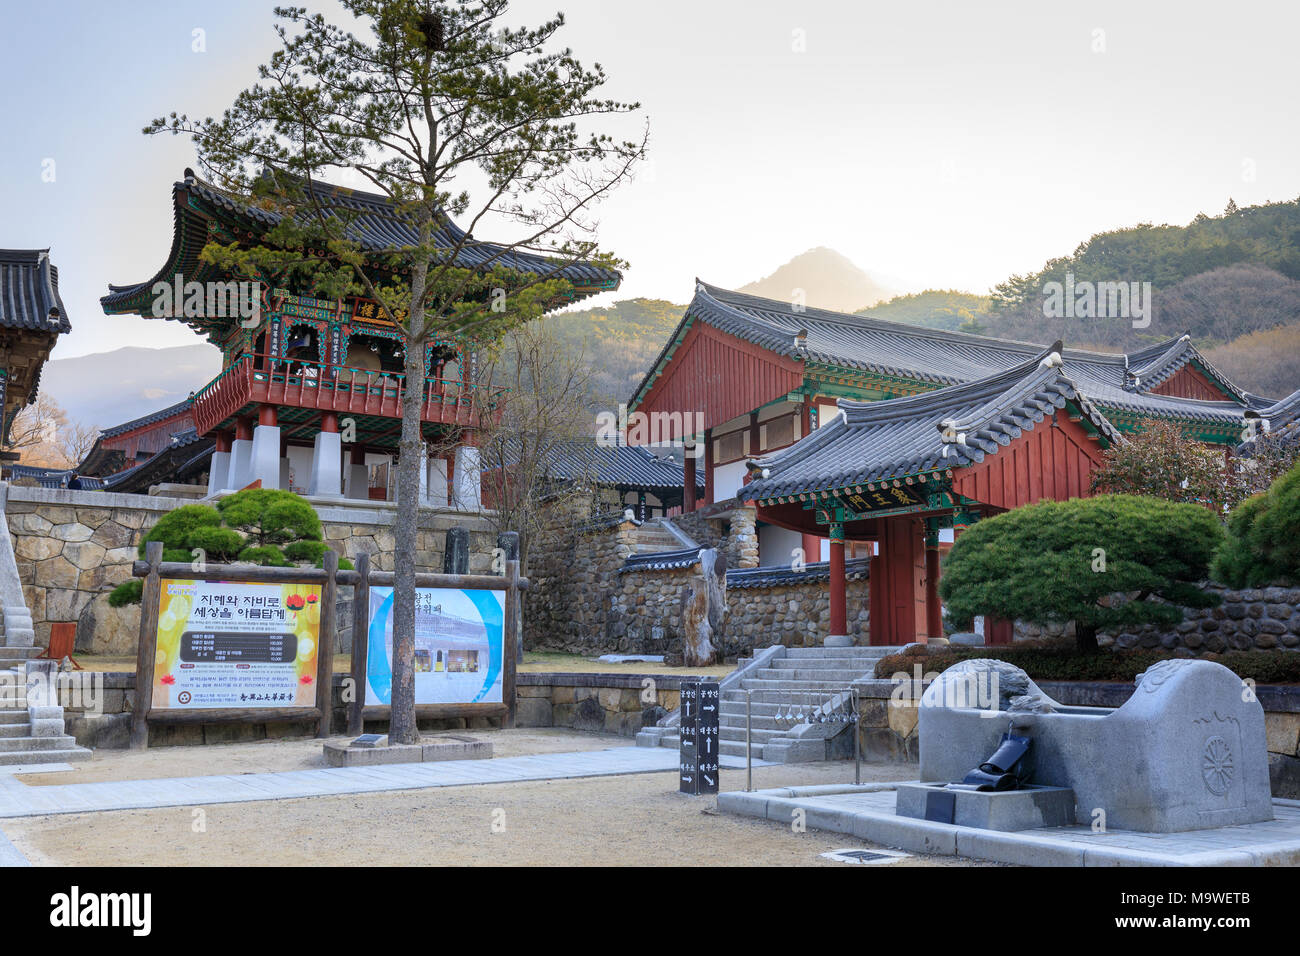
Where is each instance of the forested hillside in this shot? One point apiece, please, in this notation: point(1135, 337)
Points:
point(933, 309)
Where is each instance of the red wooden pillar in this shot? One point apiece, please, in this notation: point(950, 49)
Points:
point(897, 588)
point(688, 483)
point(708, 466)
point(839, 597)
point(933, 609)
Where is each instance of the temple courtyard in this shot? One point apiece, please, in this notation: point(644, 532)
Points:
point(615, 815)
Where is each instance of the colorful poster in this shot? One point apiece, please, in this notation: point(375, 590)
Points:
point(458, 647)
point(235, 644)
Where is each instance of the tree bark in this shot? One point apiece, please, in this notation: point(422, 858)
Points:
point(402, 728)
point(1085, 638)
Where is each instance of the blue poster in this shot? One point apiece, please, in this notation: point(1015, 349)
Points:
point(458, 646)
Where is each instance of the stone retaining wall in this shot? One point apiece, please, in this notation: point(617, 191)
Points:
point(1251, 619)
point(601, 703)
point(73, 547)
point(582, 602)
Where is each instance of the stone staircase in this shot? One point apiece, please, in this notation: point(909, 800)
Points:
point(784, 680)
point(657, 535)
point(31, 729)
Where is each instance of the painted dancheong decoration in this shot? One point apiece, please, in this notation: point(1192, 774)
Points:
point(458, 646)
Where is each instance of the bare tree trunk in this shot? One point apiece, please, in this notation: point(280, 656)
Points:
point(402, 727)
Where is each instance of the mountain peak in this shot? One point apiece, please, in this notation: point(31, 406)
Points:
point(828, 279)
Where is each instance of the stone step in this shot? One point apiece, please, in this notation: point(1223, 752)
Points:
point(836, 675)
point(759, 708)
point(62, 755)
point(13, 715)
point(8, 654)
point(10, 745)
point(15, 729)
point(837, 662)
point(760, 735)
point(794, 686)
point(853, 651)
point(778, 696)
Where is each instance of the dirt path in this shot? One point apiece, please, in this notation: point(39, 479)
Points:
point(627, 820)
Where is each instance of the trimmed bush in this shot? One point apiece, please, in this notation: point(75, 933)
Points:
point(128, 592)
point(1044, 663)
point(175, 528)
point(220, 544)
point(270, 516)
point(267, 555)
point(1263, 543)
point(1110, 562)
point(313, 551)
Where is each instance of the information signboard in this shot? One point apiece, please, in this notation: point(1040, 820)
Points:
point(459, 654)
point(236, 644)
point(698, 737)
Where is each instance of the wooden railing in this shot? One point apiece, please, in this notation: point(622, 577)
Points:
point(346, 391)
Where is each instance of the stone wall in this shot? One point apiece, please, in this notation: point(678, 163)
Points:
point(1251, 619)
point(582, 601)
point(602, 703)
point(73, 547)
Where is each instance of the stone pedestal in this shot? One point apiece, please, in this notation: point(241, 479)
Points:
point(326, 464)
point(241, 457)
point(468, 494)
point(264, 456)
point(219, 472)
point(437, 483)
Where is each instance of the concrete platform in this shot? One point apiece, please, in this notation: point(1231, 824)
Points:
point(445, 747)
point(867, 812)
point(1029, 808)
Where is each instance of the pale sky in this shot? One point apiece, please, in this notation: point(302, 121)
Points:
point(934, 144)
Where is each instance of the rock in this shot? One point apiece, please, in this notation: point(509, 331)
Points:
point(110, 534)
point(29, 548)
point(102, 629)
point(652, 715)
point(72, 531)
point(589, 715)
point(84, 554)
point(57, 572)
point(1031, 704)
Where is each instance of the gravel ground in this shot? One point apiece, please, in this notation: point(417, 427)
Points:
point(636, 819)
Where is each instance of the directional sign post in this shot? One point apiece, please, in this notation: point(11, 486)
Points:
point(706, 735)
point(698, 737)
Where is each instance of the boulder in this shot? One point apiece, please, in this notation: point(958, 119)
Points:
point(102, 629)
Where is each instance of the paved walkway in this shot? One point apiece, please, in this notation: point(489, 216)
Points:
point(19, 800)
point(867, 812)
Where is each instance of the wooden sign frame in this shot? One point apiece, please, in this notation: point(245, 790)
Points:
point(362, 578)
point(153, 569)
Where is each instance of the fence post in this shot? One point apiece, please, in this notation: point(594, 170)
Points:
point(325, 647)
point(509, 629)
point(360, 643)
point(147, 650)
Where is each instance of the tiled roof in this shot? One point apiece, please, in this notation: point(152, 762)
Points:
point(171, 411)
point(661, 560)
point(855, 569)
point(371, 221)
point(184, 448)
point(29, 292)
point(938, 430)
point(939, 357)
point(628, 465)
point(1281, 422)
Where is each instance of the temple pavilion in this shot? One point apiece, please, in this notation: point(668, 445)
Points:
point(32, 317)
point(848, 432)
point(306, 365)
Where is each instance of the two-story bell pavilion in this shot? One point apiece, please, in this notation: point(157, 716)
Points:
point(309, 372)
